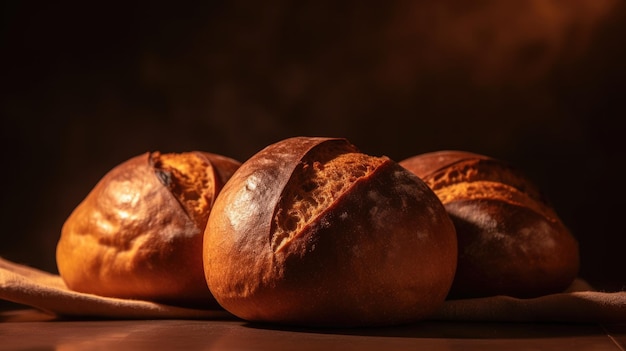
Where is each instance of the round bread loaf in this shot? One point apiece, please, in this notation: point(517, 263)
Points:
point(510, 239)
point(138, 233)
point(310, 231)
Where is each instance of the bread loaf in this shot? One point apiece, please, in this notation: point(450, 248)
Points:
point(138, 233)
point(311, 231)
point(510, 239)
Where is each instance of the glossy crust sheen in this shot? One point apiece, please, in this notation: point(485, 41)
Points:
point(511, 241)
point(133, 237)
point(383, 252)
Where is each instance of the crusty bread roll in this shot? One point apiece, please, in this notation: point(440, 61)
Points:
point(309, 231)
point(138, 233)
point(510, 239)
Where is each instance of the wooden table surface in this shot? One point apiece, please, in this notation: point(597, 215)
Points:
point(33, 330)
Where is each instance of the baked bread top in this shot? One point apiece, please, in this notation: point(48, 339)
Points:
point(138, 233)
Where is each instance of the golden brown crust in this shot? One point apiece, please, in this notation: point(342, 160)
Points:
point(138, 233)
point(511, 241)
point(381, 251)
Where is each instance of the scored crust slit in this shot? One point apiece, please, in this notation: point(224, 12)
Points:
point(317, 182)
point(191, 181)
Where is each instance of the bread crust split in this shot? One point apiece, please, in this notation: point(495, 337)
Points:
point(511, 240)
point(138, 233)
point(311, 231)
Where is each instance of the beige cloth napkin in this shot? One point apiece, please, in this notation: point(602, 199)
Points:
point(570, 307)
point(47, 292)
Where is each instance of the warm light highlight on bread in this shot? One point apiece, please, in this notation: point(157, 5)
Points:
point(138, 233)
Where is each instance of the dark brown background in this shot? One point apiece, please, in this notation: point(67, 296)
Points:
point(539, 84)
